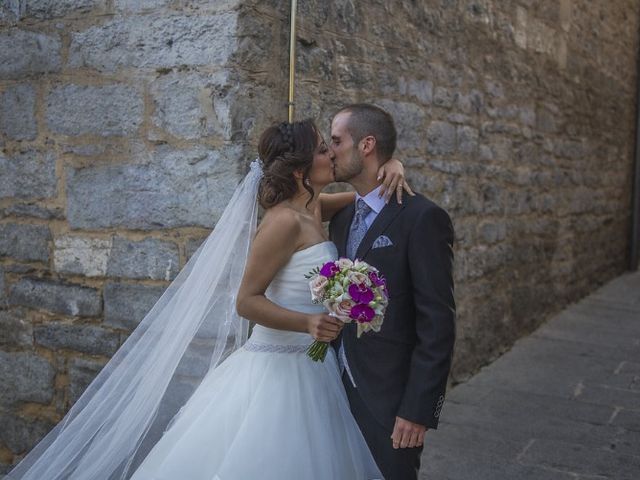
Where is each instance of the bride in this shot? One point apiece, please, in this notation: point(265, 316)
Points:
point(264, 409)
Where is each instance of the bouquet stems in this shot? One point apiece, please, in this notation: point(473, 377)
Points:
point(318, 351)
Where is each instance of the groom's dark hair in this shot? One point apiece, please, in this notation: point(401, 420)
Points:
point(367, 119)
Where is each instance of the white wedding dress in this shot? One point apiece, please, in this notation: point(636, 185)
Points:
point(268, 412)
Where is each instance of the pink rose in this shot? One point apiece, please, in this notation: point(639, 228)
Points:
point(342, 309)
point(358, 278)
point(317, 285)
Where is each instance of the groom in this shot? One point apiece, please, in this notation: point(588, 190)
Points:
point(395, 379)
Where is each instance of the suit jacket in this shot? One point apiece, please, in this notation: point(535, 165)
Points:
point(402, 370)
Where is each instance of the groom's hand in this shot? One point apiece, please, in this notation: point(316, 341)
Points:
point(407, 434)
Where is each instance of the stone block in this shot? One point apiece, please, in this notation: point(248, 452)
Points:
point(81, 373)
point(91, 339)
point(21, 434)
point(67, 299)
point(15, 330)
point(176, 188)
point(26, 377)
point(421, 90)
point(192, 105)
point(110, 110)
point(26, 53)
point(138, 6)
point(3, 289)
point(30, 174)
point(17, 112)
point(46, 9)
point(25, 241)
point(409, 120)
point(125, 305)
point(155, 41)
point(441, 138)
point(81, 255)
point(443, 97)
point(149, 258)
point(192, 246)
point(467, 138)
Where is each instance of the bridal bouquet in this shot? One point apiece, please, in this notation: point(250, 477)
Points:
point(351, 291)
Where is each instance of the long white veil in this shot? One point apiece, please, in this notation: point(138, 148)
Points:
point(190, 330)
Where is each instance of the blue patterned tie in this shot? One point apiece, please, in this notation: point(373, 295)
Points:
point(358, 228)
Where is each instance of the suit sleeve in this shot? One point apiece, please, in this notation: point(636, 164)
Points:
point(431, 264)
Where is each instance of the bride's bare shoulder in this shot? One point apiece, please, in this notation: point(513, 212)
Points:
point(280, 222)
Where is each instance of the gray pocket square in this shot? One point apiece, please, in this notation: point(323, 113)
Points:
point(382, 241)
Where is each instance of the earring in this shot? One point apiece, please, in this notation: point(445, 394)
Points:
point(307, 182)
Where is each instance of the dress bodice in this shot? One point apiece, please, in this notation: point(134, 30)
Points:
point(290, 289)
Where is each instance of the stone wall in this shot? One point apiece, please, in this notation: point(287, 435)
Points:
point(125, 125)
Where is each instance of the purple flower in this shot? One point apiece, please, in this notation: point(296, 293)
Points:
point(362, 313)
point(376, 280)
point(329, 269)
point(360, 293)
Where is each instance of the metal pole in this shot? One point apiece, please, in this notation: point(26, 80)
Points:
point(292, 57)
point(635, 199)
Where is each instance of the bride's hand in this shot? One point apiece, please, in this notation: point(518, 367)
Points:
point(392, 172)
point(323, 327)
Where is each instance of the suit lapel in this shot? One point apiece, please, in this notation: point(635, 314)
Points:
point(342, 229)
point(382, 221)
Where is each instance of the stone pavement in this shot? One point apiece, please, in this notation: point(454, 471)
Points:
point(563, 403)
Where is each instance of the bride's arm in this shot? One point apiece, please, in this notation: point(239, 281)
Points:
point(393, 180)
point(271, 249)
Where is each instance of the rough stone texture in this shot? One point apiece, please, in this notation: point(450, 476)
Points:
point(14, 329)
point(174, 188)
point(82, 338)
point(17, 112)
point(3, 289)
point(45, 9)
point(25, 242)
point(81, 373)
point(81, 255)
point(125, 305)
point(192, 106)
point(24, 53)
point(30, 174)
point(150, 258)
point(67, 299)
point(154, 41)
point(106, 111)
point(20, 434)
point(26, 377)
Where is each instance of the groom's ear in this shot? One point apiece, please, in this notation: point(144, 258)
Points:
point(368, 145)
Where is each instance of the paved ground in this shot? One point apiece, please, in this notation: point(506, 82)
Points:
point(563, 403)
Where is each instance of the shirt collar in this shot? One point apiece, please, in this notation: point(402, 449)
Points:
point(373, 200)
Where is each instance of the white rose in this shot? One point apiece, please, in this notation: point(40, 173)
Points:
point(344, 263)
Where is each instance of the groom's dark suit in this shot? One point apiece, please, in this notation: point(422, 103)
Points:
point(402, 370)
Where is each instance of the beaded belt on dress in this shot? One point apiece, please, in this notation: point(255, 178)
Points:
point(254, 346)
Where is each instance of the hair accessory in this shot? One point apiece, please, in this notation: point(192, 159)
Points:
point(286, 130)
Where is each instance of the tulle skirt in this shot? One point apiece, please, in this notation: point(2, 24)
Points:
point(264, 415)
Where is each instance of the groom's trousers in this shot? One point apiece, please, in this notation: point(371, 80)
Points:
point(395, 464)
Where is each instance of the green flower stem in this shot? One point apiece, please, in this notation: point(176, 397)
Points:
point(318, 351)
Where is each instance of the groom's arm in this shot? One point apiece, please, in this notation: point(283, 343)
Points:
point(431, 264)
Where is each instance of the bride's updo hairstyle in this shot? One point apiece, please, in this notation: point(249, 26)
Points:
point(285, 148)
